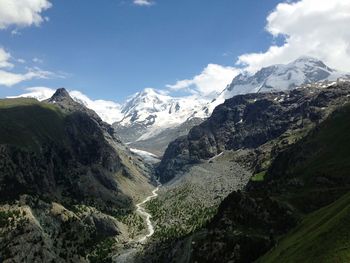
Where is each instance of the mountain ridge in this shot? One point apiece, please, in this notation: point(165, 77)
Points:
point(150, 112)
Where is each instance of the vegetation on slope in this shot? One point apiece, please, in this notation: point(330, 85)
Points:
point(323, 236)
point(179, 213)
point(59, 164)
point(289, 208)
point(314, 171)
point(26, 123)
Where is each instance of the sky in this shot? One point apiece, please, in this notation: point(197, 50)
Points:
point(110, 49)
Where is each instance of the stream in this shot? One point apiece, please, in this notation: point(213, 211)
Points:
point(141, 210)
point(128, 255)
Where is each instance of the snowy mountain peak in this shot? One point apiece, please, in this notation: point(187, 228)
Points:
point(148, 99)
point(153, 108)
point(304, 70)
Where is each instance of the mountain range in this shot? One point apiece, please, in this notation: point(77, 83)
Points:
point(150, 113)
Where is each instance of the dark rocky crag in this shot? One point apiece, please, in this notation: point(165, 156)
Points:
point(62, 171)
point(250, 121)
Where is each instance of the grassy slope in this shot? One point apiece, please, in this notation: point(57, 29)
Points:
point(323, 236)
point(28, 123)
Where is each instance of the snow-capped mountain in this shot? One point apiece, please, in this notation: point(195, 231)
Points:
point(304, 70)
point(144, 115)
point(151, 112)
point(108, 111)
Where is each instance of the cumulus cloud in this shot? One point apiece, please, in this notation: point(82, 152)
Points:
point(109, 111)
point(22, 13)
point(211, 81)
point(309, 27)
point(143, 2)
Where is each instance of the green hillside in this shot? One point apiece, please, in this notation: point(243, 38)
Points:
point(323, 236)
point(320, 164)
point(28, 123)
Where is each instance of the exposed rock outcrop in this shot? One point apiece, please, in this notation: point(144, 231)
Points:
point(249, 121)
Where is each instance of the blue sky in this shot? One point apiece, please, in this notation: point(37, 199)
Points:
point(110, 49)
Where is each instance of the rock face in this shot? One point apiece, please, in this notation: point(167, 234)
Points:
point(249, 121)
point(62, 163)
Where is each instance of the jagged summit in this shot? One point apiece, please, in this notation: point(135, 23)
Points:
point(60, 95)
point(66, 103)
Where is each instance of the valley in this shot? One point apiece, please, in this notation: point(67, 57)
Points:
point(242, 185)
point(150, 131)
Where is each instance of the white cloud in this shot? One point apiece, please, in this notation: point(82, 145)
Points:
point(4, 59)
point(39, 93)
point(22, 13)
point(108, 111)
point(143, 2)
point(310, 27)
point(9, 79)
point(211, 81)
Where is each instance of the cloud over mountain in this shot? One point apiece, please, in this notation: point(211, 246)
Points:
point(309, 27)
point(211, 81)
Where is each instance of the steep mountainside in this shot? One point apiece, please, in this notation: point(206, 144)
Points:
point(250, 121)
point(312, 175)
point(296, 211)
point(63, 178)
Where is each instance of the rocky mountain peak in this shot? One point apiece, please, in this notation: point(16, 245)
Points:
point(61, 94)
